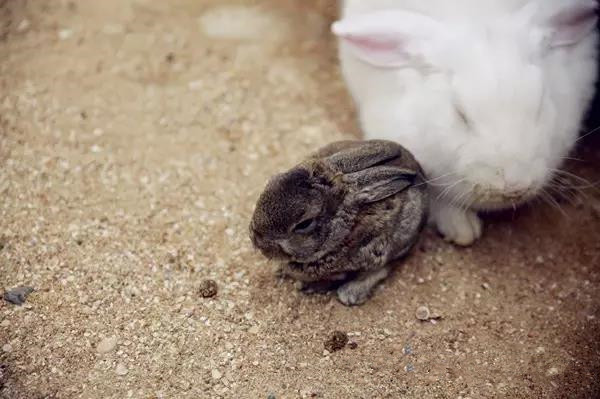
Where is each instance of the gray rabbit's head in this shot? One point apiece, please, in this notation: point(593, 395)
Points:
point(312, 209)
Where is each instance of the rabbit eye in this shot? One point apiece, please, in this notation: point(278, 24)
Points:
point(305, 226)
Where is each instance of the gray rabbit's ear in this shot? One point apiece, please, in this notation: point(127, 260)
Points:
point(379, 182)
point(363, 155)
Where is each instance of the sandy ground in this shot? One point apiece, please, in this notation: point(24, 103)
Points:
point(135, 137)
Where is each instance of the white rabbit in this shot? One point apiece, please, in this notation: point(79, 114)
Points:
point(488, 95)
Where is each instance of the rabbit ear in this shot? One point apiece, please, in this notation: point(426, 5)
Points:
point(377, 183)
point(388, 38)
point(573, 23)
point(363, 155)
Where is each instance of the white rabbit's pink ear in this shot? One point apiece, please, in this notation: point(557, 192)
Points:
point(387, 39)
point(573, 23)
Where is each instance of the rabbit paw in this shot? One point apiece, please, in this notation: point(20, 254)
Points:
point(353, 294)
point(356, 292)
point(462, 227)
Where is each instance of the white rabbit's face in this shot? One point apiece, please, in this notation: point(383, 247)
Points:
point(478, 108)
point(500, 140)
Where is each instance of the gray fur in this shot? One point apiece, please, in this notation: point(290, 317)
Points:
point(346, 212)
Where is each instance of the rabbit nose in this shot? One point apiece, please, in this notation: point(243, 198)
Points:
point(512, 180)
point(259, 240)
point(285, 247)
point(255, 235)
point(484, 174)
point(516, 185)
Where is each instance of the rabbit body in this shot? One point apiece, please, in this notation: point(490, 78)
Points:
point(488, 95)
point(358, 205)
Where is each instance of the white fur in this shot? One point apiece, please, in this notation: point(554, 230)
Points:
point(521, 75)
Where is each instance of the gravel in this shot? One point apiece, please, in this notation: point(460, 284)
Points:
point(422, 313)
point(121, 369)
point(107, 345)
point(216, 374)
point(18, 296)
point(179, 171)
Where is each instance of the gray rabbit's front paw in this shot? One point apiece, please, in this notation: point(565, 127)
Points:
point(353, 294)
point(356, 292)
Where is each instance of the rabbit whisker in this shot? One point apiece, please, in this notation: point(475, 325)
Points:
point(461, 200)
point(435, 179)
point(446, 190)
point(552, 202)
point(573, 159)
point(569, 195)
point(587, 134)
point(564, 177)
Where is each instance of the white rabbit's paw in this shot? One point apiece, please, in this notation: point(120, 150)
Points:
point(462, 227)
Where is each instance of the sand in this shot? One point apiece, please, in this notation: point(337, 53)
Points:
point(135, 137)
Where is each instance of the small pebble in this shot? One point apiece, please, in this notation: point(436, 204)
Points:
point(195, 85)
point(271, 396)
point(539, 259)
point(216, 374)
point(552, 371)
point(208, 289)
point(336, 342)
point(7, 348)
point(5, 323)
point(23, 25)
point(17, 296)
point(422, 313)
point(121, 369)
point(64, 34)
point(107, 345)
point(113, 29)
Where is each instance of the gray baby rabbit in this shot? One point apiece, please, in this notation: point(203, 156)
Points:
point(342, 215)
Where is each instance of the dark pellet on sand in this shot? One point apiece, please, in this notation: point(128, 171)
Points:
point(336, 342)
point(208, 288)
point(17, 296)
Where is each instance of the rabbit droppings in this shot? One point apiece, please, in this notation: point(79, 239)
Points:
point(340, 217)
